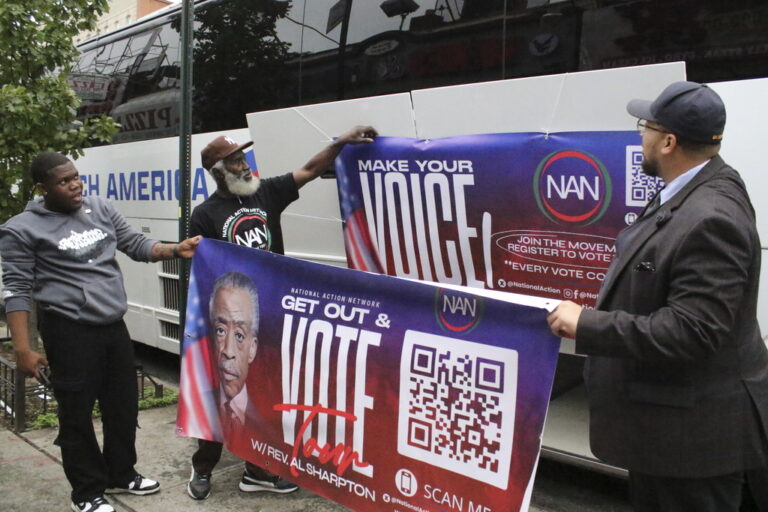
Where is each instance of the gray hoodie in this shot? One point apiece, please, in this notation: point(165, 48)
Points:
point(66, 261)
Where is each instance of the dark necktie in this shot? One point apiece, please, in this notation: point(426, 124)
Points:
point(654, 204)
point(627, 234)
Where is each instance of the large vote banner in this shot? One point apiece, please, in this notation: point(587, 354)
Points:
point(380, 393)
point(531, 213)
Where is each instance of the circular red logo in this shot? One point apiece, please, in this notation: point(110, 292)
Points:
point(572, 187)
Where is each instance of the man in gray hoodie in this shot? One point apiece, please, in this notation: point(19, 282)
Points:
point(60, 252)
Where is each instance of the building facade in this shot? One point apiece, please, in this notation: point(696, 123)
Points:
point(120, 14)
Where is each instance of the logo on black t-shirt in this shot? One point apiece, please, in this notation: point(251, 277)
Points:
point(248, 227)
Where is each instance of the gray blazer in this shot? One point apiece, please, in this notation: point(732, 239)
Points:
point(677, 373)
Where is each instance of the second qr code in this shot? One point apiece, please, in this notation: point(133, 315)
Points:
point(640, 187)
point(457, 405)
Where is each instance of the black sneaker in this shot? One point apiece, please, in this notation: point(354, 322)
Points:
point(139, 486)
point(199, 486)
point(98, 504)
point(269, 484)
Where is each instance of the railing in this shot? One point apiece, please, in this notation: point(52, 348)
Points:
point(19, 408)
point(19, 393)
point(141, 378)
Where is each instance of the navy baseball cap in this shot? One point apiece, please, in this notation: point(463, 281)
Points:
point(691, 110)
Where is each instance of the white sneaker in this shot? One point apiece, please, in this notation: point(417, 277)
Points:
point(98, 504)
point(139, 486)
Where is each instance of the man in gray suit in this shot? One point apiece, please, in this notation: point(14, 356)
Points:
point(677, 373)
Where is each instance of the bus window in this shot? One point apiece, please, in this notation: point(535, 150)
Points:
point(402, 45)
point(720, 40)
point(241, 62)
point(254, 56)
point(134, 79)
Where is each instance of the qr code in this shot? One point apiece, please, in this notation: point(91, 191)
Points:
point(457, 405)
point(640, 187)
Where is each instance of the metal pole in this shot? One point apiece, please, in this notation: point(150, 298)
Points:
point(19, 400)
point(343, 49)
point(185, 150)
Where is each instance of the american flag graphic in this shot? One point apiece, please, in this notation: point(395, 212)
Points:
point(197, 414)
point(361, 251)
point(250, 157)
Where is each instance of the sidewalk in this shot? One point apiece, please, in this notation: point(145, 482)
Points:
point(33, 481)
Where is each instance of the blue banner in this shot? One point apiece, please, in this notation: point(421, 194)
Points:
point(380, 393)
point(531, 213)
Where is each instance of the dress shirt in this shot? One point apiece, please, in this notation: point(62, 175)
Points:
point(674, 186)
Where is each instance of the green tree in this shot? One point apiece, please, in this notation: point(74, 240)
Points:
point(37, 104)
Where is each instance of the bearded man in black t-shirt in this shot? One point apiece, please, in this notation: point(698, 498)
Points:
point(246, 211)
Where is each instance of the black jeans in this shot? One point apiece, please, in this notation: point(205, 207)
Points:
point(89, 363)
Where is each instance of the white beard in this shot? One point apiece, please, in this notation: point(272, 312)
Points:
point(240, 187)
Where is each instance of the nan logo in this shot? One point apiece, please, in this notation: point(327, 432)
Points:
point(248, 227)
point(457, 312)
point(572, 187)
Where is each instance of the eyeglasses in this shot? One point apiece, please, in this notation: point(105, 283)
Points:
point(642, 126)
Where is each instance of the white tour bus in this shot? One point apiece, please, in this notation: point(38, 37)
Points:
point(281, 68)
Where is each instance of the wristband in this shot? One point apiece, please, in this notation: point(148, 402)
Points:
point(175, 250)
